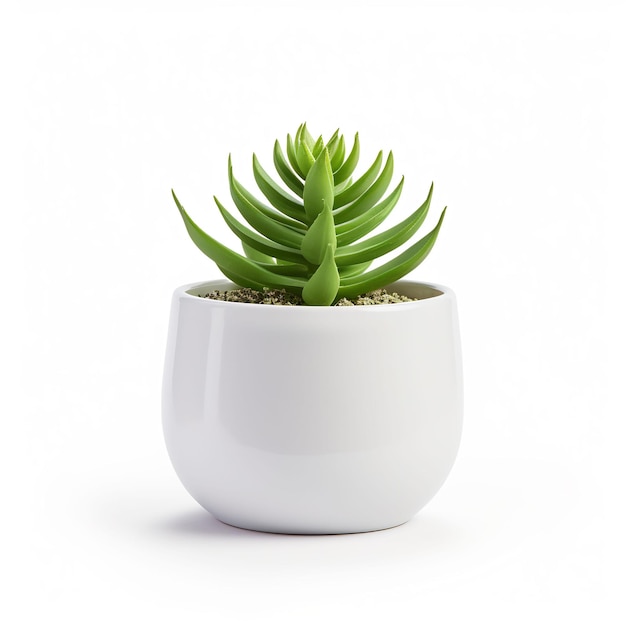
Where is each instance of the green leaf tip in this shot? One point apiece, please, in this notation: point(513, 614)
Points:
point(319, 187)
point(321, 289)
point(319, 237)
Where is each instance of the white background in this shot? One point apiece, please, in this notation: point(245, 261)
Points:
point(516, 114)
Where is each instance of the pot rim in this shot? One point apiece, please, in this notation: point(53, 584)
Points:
point(439, 292)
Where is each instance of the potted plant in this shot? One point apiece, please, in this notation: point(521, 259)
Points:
point(313, 418)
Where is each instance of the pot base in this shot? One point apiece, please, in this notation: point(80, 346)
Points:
point(280, 530)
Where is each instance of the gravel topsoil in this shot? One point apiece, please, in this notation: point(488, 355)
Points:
point(282, 298)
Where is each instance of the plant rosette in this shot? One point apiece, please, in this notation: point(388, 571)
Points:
point(314, 419)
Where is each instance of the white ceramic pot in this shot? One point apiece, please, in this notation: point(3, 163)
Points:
point(313, 420)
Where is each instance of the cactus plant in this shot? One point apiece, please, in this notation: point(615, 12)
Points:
point(311, 242)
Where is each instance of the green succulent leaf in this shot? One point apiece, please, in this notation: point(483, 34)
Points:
point(321, 289)
point(285, 172)
point(297, 138)
point(349, 165)
point(261, 222)
point(230, 261)
point(278, 198)
point(341, 186)
point(318, 147)
point(305, 158)
point(244, 280)
point(370, 197)
point(241, 279)
point(319, 188)
point(332, 144)
point(254, 255)
point(258, 242)
point(360, 185)
point(266, 210)
point(385, 242)
point(336, 160)
point(293, 159)
point(286, 269)
point(352, 231)
point(320, 235)
point(305, 137)
point(392, 270)
point(352, 270)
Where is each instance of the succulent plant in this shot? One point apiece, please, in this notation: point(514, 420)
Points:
point(311, 242)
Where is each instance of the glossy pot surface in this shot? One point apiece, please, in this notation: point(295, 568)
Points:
point(313, 420)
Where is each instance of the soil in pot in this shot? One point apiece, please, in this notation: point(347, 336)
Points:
point(282, 298)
